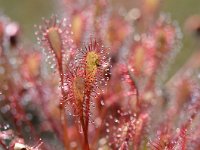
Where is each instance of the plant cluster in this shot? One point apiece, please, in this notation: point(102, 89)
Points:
point(104, 84)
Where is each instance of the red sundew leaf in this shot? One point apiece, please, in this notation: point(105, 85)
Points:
point(84, 79)
point(54, 36)
point(78, 26)
point(118, 30)
point(75, 89)
point(127, 128)
point(31, 65)
point(94, 60)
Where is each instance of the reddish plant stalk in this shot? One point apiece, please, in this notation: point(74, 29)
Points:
point(62, 109)
point(87, 120)
point(53, 36)
point(183, 132)
point(84, 132)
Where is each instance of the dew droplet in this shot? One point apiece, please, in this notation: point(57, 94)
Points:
point(80, 129)
point(107, 124)
point(102, 103)
point(118, 135)
point(116, 121)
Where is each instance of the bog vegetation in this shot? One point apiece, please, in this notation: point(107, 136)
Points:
point(103, 85)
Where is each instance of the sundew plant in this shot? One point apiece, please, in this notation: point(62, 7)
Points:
point(97, 79)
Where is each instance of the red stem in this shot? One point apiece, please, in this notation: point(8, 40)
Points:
point(86, 147)
point(62, 110)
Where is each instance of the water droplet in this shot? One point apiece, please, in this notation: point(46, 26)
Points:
point(118, 111)
point(6, 126)
point(102, 103)
point(116, 121)
point(53, 66)
point(118, 135)
point(80, 129)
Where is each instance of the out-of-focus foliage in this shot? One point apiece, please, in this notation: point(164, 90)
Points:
point(105, 84)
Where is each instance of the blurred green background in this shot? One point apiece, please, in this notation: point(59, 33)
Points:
point(180, 10)
point(29, 12)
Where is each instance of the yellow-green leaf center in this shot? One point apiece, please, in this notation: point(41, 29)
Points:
point(92, 62)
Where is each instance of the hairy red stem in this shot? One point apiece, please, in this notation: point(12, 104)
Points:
point(62, 110)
